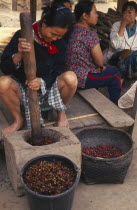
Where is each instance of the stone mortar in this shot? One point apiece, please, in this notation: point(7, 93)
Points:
point(18, 152)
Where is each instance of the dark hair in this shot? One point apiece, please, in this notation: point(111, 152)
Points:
point(130, 4)
point(83, 6)
point(56, 15)
point(62, 1)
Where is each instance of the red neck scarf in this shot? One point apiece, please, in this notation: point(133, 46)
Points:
point(52, 49)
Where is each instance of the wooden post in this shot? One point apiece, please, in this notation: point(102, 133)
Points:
point(133, 129)
point(120, 4)
point(134, 109)
point(14, 5)
point(33, 7)
point(30, 71)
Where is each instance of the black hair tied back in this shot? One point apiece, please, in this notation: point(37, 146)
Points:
point(83, 6)
point(56, 15)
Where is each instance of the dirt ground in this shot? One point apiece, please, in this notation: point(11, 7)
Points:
point(10, 18)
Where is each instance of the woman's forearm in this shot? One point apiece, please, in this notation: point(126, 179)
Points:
point(97, 55)
point(117, 39)
point(121, 30)
point(99, 61)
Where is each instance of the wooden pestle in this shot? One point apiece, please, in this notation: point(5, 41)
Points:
point(30, 72)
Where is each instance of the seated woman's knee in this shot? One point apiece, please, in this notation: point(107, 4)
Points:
point(5, 83)
point(70, 78)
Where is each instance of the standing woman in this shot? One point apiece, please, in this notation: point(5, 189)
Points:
point(123, 41)
point(53, 84)
point(84, 55)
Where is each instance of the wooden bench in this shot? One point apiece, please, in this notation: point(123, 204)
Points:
point(108, 110)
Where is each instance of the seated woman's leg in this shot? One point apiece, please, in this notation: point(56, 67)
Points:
point(126, 61)
point(11, 96)
point(67, 84)
point(134, 63)
point(109, 78)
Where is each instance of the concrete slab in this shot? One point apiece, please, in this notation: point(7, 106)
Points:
point(18, 151)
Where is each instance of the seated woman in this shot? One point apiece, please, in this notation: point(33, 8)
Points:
point(52, 83)
point(66, 3)
point(123, 41)
point(84, 55)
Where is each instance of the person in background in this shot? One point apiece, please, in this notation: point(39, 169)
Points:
point(84, 55)
point(53, 84)
point(123, 42)
point(66, 3)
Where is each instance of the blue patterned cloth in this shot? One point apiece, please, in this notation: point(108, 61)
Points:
point(131, 31)
point(127, 66)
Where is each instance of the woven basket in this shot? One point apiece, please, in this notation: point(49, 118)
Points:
point(105, 170)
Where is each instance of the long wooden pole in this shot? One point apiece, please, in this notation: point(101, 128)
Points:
point(132, 129)
point(120, 4)
point(30, 71)
point(33, 7)
point(14, 5)
point(75, 118)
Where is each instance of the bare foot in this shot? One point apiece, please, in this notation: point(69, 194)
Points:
point(14, 127)
point(62, 119)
